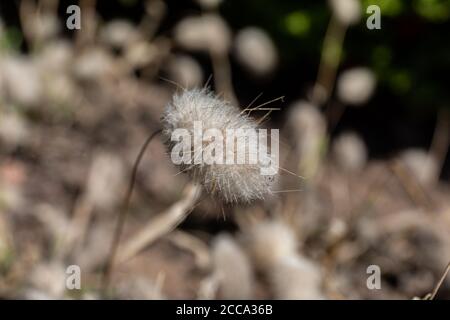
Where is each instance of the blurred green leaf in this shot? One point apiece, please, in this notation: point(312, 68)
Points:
point(400, 81)
point(433, 10)
point(297, 23)
point(381, 57)
point(11, 39)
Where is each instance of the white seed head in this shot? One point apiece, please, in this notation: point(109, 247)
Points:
point(49, 278)
point(296, 278)
point(45, 26)
point(14, 130)
point(347, 12)
point(232, 267)
point(92, 64)
point(140, 53)
point(256, 51)
point(186, 71)
point(208, 32)
point(268, 242)
point(106, 180)
point(356, 86)
point(21, 80)
point(119, 33)
point(350, 152)
point(309, 132)
point(60, 88)
point(55, 56)
point(421, 164)
point(233, 183)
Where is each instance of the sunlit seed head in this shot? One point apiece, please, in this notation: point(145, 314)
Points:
point(119, 33)
point(347, 12)
point(268, 242)
point(350, 152)
point(356, 86)
point(308, 128)
point(421, 164)
point(232, 268)
point(297, 278)
point(186, 71)
point(208, 32)
point(233, 183)
point(256, 51)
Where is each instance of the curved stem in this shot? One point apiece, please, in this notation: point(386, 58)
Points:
point(106, 277)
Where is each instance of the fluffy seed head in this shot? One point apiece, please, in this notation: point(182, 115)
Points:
point(356, 86)
point(14, 130)
point(55, 56)
point(105, 181)
point(308, 128)
point(350, 152)
point(233, 183)
point(186, 71)
point(119, 33)
point(208, 32)
point(232, 267)
point(296, 278)
point(347, 12)
point(93, 64)
point(45, 26)
point(256, 51)
point(268, 242)
point(21, 80)
point(421, 164)
point(49, 278)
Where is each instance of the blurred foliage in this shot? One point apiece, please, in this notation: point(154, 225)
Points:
point(297, 23)
point(433, 10)
point(11, 39)
point(410, 54)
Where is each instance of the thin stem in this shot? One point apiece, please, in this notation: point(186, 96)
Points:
point(106, 277)
point(441, 281)
point(441, 140)
point(329, 61)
